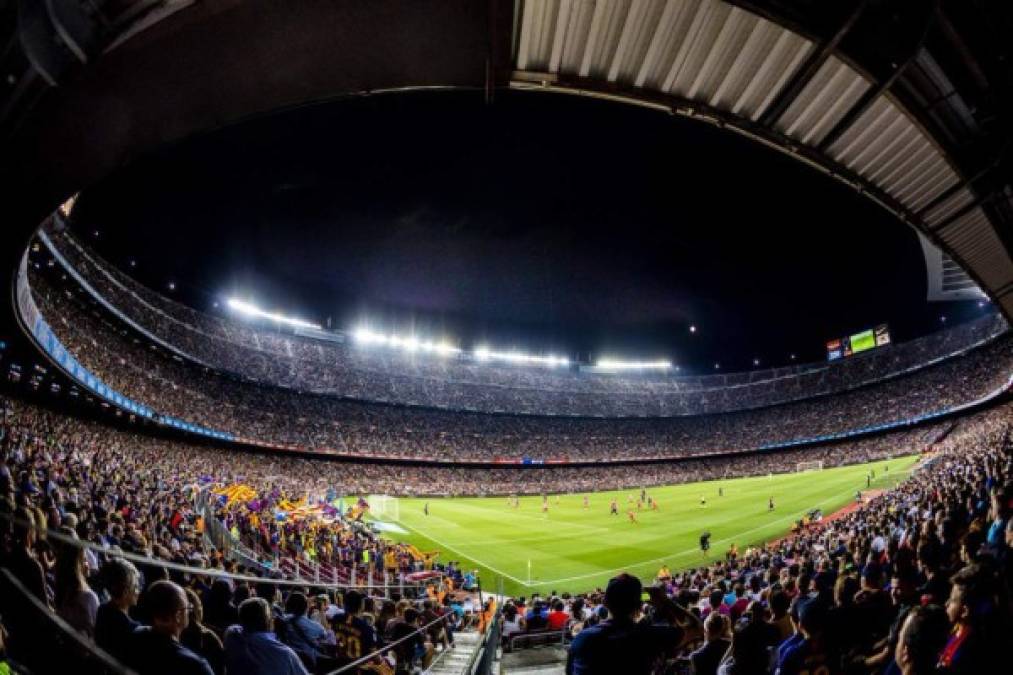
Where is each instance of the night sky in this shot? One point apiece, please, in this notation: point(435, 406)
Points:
point(546, 222)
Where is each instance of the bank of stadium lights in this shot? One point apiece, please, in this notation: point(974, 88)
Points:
point(250, 310)
point(408, 343)
point(484, 353)
point(619, 364)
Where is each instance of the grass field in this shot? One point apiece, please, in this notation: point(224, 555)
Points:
point(573, 549)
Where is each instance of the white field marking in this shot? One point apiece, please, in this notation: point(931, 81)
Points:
point(688, 551)
point(464, 555)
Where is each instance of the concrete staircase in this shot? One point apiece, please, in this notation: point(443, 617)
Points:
point(456, 660)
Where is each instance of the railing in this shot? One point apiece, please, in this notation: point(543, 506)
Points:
point(482, 659)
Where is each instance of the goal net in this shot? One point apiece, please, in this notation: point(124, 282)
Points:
point(383, 507)
point(809, 466)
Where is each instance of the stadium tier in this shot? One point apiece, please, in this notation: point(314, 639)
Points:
point(975, 365)
point(330, 364)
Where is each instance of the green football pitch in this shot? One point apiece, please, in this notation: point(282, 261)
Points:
point(571, 548)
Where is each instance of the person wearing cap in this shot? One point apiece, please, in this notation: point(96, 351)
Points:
point(622, 645)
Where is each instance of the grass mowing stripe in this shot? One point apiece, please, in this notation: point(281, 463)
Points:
point(574, 545)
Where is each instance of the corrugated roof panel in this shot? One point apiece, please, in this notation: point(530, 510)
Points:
point(780, 64)
point(943, 210)
point(638, 29)
point(832, 91)
point(896, 139)
point(913, 152)
point(908, 176)
point(975, 241)
point(578, 27)
point(932, 187)
point(703, 36)
point(606, 28)
point(881, 117)
point(673, 25)
point(736, 30)
point(538, 24)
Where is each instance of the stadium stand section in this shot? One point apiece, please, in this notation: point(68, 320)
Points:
point(979, 366)
point(134, 494)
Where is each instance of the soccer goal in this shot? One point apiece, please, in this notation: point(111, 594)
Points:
point(809, 466)
point(383, 507)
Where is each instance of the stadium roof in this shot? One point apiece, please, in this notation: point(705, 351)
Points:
point(906, 101)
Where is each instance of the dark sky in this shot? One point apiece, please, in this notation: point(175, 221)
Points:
point(542, 221)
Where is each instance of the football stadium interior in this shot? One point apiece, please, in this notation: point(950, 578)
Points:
point(506, 336)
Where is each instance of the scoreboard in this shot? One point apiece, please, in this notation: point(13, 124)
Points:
point(857, 343)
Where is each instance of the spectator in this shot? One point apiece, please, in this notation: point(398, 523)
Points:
point(716, 643)
point(156, 649)
point(75, 601)
point(113, 625)
point(620, 644)
point(923, 635)
point(252, 648)
point(199, 638)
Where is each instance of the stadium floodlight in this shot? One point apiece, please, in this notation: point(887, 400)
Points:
point(485, 353)
point(410, 343)
point(250, 310)
point(619, 364)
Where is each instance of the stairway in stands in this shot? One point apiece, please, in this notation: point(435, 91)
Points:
point(455, 661)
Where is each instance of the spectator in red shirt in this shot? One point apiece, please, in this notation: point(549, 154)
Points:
point(558, 618)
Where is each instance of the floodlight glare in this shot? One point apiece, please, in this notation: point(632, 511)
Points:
point(251, 310)
point(618, 364)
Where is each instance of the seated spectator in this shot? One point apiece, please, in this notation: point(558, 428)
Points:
point(156, 649)
point(219, 610)
point(922, 637)
point(747, 654)
point(810, 654)
point(620, 644)
point(199, 638)
point(716, 643)
point(113, 625)
point(251, 647)
point(972, 648)
point(307, 638)
point(75, 601)
point(355, 636)
point(558, 618)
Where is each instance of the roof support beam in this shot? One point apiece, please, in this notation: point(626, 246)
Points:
point(954, 189)
point(884, 86)
point(809, 69)
point(960, 213)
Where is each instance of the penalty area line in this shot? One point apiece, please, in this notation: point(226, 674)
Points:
point(464, 555)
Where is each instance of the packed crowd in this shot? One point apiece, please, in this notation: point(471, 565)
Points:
point(276, 416)
point(63, 478)
point(915, 581)
point(64, 481)
point(336, 367)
